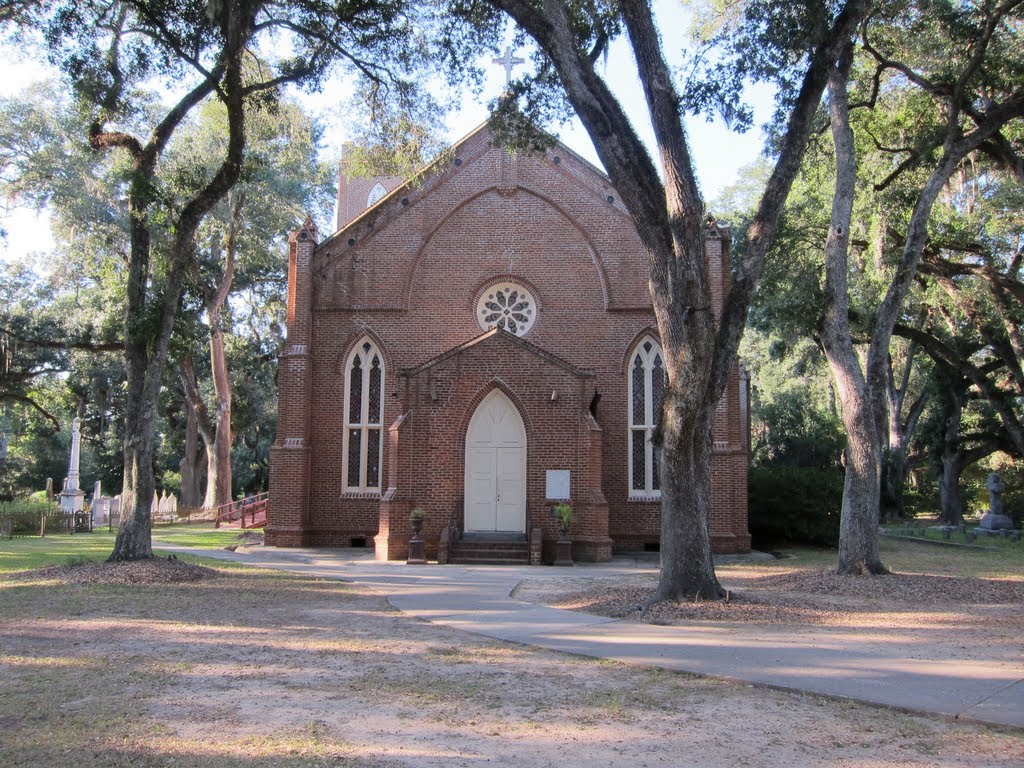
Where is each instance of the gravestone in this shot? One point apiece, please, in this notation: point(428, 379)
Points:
point(100, 505)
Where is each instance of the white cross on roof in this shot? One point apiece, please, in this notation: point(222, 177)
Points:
point(508, 61)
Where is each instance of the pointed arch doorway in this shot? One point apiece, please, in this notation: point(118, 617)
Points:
point(495, 485)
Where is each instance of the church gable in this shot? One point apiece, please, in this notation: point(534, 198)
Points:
point(480, 203)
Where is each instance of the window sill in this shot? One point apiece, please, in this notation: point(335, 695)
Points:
point(361, 495)
point(648, 498)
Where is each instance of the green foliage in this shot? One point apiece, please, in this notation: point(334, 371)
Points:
point(793, 432)
point(794, 504)
point(563, 513)
point(389, 142)
point(26, 512)
point(27, 505)
point(793, 417)
point(753, 41)
point(170, 481)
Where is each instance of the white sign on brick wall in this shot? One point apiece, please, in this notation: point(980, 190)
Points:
point(557, 484)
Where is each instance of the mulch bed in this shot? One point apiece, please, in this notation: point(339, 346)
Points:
point(806, 597)
point(155, 570)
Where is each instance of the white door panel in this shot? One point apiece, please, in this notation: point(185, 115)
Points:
point(495, 485)
point(480, 510)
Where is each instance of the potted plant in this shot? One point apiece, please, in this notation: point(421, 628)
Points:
point(416, 518)
point(563, 549)
point(417, 555)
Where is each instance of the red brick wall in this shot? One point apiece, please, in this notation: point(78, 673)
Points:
point(408, 275)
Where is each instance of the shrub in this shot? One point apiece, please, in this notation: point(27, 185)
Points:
point(25, 512)
point(795, 504)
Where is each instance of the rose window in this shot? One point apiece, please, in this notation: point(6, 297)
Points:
point(508, 306)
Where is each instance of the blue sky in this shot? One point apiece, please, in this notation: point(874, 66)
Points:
point(719, 153)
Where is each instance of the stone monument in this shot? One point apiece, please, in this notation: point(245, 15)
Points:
point(72, 498)
point(995, 519)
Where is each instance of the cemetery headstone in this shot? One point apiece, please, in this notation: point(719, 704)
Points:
point(100, 504)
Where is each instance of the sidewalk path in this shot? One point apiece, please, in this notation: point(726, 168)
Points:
point(477, 599)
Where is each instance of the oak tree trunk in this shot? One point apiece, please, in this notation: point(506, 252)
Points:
point(687, 566)
point(951, 499)
point(193, 461)
point(858, 526)
point(220, 439)
point(218, 451)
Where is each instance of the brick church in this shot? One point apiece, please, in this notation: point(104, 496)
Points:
point(480, 344)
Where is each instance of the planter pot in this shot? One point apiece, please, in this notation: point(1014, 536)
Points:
point(417, 555)
point(563, 551)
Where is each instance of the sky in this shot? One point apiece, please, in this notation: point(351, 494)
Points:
point(719, 153)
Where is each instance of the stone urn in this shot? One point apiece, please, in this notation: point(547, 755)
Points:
point(417, 555)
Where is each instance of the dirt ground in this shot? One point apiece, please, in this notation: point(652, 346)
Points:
point(234, 667)
point(938, 617)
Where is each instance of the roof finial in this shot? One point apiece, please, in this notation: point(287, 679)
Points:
point(508, 61)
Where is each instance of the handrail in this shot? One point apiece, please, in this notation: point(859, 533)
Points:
point(250, 507)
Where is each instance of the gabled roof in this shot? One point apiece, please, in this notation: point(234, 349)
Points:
point(440, 165)
point(503, 336)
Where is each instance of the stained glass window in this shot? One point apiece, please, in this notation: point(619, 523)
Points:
point(354, 451)
point(364, 409)
point(508, 306)
point(373, 408)
point(373, 458)
point(637, 452)
point(355, 391)
point(637, 395)
point(647, 386)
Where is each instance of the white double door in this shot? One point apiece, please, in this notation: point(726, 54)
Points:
point(496, 467)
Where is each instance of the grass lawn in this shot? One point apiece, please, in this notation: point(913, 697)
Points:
point(911, 556)
point(201, 536)
point(28, 552)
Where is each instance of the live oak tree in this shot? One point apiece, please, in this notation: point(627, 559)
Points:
point(58, 313)
point(238, 245)
point(110, 51)
point(664, 201)
point(972, 297)
point(972, 91)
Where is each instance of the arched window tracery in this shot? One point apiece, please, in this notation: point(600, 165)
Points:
point(364, 415)
point(647, 385)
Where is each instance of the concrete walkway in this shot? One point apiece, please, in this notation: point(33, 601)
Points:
point(842, 665)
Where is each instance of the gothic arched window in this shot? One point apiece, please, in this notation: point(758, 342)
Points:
point(647, 383)
point(364, 415)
